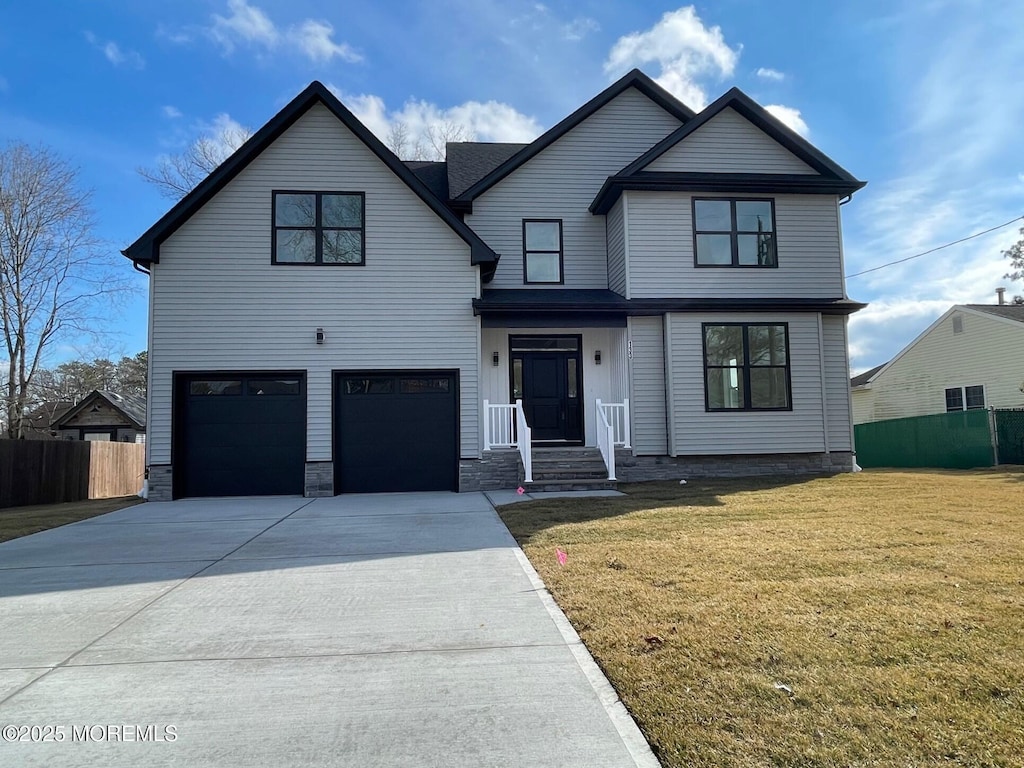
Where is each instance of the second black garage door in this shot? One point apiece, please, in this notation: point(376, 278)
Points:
point(240, 434)
point(396, 431)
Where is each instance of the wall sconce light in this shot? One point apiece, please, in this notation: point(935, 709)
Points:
point(494, 359)
point(320, 336)
point(597, 357)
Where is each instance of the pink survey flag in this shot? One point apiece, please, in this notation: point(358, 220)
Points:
point(562, 557)
point(520, 490)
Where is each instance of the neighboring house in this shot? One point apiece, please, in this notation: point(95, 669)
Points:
point(37, 423)
point(968, 358)
point(106, 416)
point(325, 318)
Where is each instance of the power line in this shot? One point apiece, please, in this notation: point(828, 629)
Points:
point(933, 250)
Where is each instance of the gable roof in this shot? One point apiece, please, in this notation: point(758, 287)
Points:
point(147, 248)
point(1000, 312)
point(736, 99)
point(470, 161)
point(131, 407)
point(1008, 311)
point(433, 174)
point(633, 79)
point(865, 378)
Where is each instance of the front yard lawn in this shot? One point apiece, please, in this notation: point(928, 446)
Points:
point(868, 619)
point(21, 521)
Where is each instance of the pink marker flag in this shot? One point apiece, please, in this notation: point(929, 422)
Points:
point(562, 557)
point(520, 490)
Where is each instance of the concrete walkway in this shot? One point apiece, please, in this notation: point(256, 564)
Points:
point(384, 630)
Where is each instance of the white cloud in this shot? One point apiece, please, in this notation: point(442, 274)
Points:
point(686, 51)
point(767, 73)
point(251, 26)
point(224, 134)
point(171, 112)
point(579, 28)
point(114, 53)
point(790, 117)
point(482, 121)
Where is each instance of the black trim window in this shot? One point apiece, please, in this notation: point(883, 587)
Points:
point(734, 233)
point(746, 367)
point(319, 228)
point(542, 251)
point(965, 398)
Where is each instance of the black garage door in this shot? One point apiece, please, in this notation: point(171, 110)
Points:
point(396, 431)
point(240, 435)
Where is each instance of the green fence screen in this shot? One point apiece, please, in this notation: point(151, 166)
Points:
point(958, 440)
point(1010, 436)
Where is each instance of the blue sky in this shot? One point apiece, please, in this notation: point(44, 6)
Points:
point(921, 99)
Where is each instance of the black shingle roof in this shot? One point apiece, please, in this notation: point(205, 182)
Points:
point(864, 378)
point(434, 175)
point(470, 161)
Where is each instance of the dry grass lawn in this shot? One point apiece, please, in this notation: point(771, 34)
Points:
point(868, 619)
point(21, 521)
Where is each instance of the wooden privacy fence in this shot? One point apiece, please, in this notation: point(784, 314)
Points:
point(56, 471)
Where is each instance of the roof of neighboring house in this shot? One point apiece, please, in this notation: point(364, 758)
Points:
point(131, 407)
point(831, 179)
point(470, 161)
point(147, 248)
point(1009, 311)
point(634, 79)
point(864, 378)
point(39, 419)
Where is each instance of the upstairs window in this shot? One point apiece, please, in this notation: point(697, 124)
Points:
point(965, 398)
point(734, 233)
point(319, 228)
point(542, 251)
point(746, 367)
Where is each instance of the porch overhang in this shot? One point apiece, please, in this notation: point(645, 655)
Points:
point(538, 307)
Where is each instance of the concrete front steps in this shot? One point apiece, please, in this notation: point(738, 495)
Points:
point(574, 468)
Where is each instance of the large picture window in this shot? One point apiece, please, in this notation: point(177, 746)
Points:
point(318, 228)
point(746, 367)
point(542, 250)
point(734, 233)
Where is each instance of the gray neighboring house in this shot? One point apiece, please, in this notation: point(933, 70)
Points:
point(105, 416)
point(648, 288)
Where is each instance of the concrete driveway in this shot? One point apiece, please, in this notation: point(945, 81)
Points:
point(384, 630)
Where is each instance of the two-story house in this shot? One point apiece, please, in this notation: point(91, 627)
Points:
point(660, 286)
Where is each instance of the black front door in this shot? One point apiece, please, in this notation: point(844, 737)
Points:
point(548, 382)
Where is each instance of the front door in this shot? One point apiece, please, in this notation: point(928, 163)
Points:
point(546, 377)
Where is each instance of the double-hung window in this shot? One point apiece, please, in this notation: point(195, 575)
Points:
point(746, 367)
point(965, 398)
point(319, 228)
point(542, 251)
point(734, 233)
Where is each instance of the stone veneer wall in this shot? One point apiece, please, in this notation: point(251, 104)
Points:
point(493, 471)
point(319, 479)
point(632, 469)
point(160, 483)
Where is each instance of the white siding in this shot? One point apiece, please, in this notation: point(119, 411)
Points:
point(699, 432)
point(218, 303)
point(837, 382)
point(604, 382)
point(729, 143)
point(986, 353)
point(863, 402)
point(647, 384)
point(660, 226)
point(617, 247)
point(561, 182)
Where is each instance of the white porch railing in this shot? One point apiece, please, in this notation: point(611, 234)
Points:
point(499, 429)
point(617, 415)
point(505, 427)
point(606, 441)
point(525, 441)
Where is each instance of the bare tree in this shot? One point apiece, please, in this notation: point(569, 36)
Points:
point(51, 269)
point(431, 145)
point(1015, 253)
point(177, 175)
